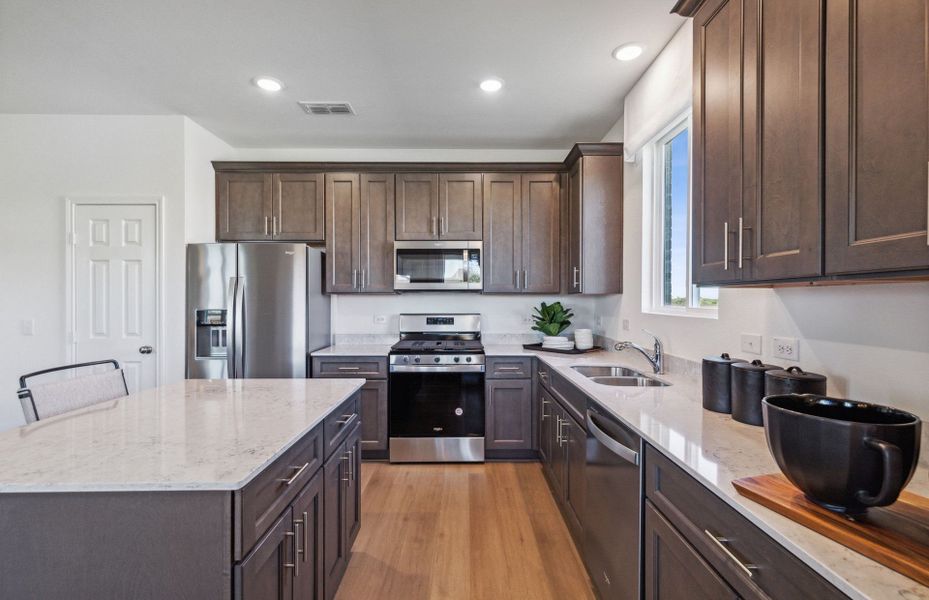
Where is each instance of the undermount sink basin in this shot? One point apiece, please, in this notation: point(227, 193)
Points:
point(618, 376)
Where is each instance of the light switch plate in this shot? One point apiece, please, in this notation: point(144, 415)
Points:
point(27, 327)
point(380, 319)
point(751, 343)
point(786, 348)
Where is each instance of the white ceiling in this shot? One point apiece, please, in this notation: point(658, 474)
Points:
point(409, 68)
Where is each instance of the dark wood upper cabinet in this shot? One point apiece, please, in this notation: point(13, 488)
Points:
point(243, 206)
point(299, 207)
point(541, 233)
point(502, 261)
point(417, 210)
point(877, 136)
point(461, 200)
point(343, 212)
point(779, 234)
point(717, 140)
point(594, 221)
point(376, 227)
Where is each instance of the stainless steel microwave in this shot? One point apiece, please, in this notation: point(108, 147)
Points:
point(436, 266)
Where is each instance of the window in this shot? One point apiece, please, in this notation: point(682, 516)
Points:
point(667, 284)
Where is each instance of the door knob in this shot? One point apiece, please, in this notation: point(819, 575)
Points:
point(145, 349)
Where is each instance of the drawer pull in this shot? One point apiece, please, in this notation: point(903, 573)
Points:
point(346, 419)
point(299, 472)
point(542, 374)
point(509, 368)
point(349, 368)
point(721, 541)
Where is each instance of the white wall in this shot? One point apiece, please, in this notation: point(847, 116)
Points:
point(201, 147)
point(872, 341)
point(45, 159)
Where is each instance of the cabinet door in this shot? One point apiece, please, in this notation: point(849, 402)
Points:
point(673, 569)
point(376, 226)
point(374, 415)
point(342, 232)
point(417, 206)
point(335, 549)
point(781, 229)
point(717, 135)
point(353, 489)
point(502, 233)
point(299, 207)
point(559, 454)
point(575, 229)
point(541, 233)
point(461, 200)
point(307, 513)
point(574, 438)
point(267, 571)
point(877, 119)
point(243, 206)
point(508, 414)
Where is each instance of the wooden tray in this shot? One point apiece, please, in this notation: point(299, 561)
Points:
point(897, 536)
point(571, 351)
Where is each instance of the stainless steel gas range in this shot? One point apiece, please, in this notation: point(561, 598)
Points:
point(437, 389)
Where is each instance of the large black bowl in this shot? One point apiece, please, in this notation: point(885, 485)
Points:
point(846, 456)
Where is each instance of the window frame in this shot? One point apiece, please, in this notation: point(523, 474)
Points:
point(653, 211)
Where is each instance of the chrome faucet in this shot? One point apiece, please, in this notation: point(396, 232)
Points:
point(655, 358)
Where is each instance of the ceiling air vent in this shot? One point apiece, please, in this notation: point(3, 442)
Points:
point(326, 108)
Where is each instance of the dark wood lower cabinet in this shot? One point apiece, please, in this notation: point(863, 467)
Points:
point(673, 569)
point(546, 429)
point(307, 514)
point(508, 414)
point(342, 505)
point(374, 416)
point(574, 438)
point(267, 571)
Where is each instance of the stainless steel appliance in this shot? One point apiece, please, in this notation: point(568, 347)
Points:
point(254, 310)
point(436, 387)
point(612, 505)
point(437, 266)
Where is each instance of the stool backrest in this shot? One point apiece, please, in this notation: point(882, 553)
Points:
point(43, 400)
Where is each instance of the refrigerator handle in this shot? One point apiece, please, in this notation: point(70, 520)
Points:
point(239, 330)
point(231, 323)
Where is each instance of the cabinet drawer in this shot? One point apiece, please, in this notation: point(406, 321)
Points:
point(262, 500)
point(368, 367)
point(338, 424)
point(509, 367)
point(705, 520)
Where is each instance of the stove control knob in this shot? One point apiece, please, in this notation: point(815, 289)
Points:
point(468, 359)
point(457, 359)
point(416, 360)
point(406, 359)
point(437, 359)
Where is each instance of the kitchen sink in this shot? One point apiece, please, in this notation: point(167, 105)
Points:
point(618, 376)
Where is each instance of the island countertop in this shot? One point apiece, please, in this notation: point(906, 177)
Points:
point(190, 435)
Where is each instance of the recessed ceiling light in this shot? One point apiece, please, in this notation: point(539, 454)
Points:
point(627, 52)
point(268, 84)
point(492, 85)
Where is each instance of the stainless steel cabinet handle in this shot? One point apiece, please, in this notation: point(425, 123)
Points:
point(354, 279)
point(345, 457)
point(563, 423)
point(351, 465)
point(740, 242)
point(435, 229)
point(306, 536)
point(349, 368)
point(558, 430)
point(294, 477)
point(442, 225)
point(525, 279)
point(274, 228)
point(509, 368)
point(296, 550)
point(542, 375)
point(577, 272)
point(620, 450)
point(363, 283)
point(301, 523)
point(346, 419)
point(266, 225)
point(293, 565)
point(725, 245)
point(721, 542)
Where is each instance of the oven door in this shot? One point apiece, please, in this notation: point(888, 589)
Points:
point(436, 414)
point(437, 266)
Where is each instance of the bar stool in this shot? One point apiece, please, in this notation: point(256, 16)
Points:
point(43, 400)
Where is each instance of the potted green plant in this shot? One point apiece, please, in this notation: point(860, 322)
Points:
point(551, 320)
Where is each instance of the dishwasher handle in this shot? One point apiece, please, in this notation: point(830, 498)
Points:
point(620, 450)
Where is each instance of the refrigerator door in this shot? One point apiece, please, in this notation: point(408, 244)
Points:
point(318, 310)
point(211, 276)
point(272, 301)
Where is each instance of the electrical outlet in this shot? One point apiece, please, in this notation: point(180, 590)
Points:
point(625, 324)
point(27, 327)
point(380, 319)
point(751, 343)
point(787, 348)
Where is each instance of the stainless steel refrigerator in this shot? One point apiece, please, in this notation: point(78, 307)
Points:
point(254, 310)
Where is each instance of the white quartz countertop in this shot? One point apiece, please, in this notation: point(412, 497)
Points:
point(716, 450)
point(192, 435)
point(354, 350)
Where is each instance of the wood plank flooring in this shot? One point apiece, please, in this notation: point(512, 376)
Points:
point(489, 531)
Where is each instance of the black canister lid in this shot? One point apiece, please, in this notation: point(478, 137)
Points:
point(723, 358)
point(755, 365)
point(796, 374)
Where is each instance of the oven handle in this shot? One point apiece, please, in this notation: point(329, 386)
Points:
point(437, 369)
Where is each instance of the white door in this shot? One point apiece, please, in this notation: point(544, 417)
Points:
point(115, 310)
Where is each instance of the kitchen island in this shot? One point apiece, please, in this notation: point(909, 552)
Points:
point(199, 489)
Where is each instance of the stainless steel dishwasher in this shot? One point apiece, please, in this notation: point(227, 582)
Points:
point(612, 515)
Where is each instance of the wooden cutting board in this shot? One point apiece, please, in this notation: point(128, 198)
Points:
point(897, 536)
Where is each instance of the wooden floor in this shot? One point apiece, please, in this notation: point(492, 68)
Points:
point(488, 531)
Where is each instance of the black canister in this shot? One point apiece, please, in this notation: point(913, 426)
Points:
point(717, 385)
point(748, 387)
point(793, 380)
